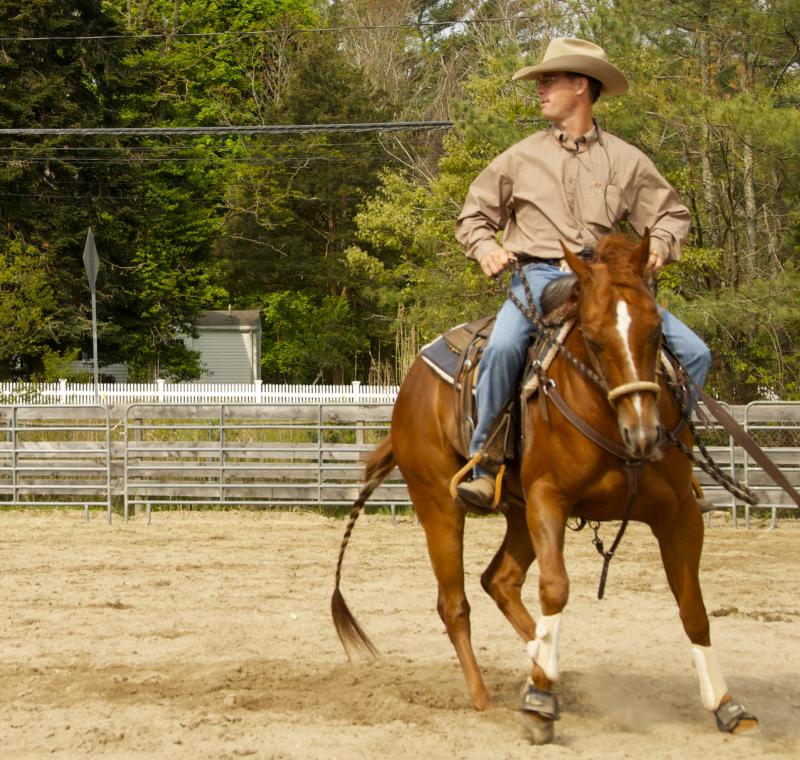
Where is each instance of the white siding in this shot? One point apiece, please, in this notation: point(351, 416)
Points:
point(226, 356)
point(118, 371)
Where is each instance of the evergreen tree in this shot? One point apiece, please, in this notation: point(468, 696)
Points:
point(292, 221)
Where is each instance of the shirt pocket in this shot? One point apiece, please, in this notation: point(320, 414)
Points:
point(603, 205)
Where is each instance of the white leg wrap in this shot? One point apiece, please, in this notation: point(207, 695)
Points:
point(543, 650)
point(712, 683)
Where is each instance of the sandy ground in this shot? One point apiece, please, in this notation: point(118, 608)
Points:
point(207, 635)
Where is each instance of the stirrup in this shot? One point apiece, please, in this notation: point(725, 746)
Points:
point(461, 474)
point(697, 488)
point(468, 467)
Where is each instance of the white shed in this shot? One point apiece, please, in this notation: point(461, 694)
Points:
point(229, 342)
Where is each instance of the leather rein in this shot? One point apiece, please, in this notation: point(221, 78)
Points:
point(632, 466)
point(547, 387)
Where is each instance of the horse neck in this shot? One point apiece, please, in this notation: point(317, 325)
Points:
point(578, 389)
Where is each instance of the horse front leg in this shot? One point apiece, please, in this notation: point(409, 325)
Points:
point(505, 575)
point(546, 514)
point(680, 541)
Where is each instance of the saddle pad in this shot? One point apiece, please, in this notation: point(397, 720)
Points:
point(446, 353)
point(441, 359)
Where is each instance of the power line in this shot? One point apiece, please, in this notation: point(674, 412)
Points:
point(115, 148)
point(261, 129)
point(251, 161)
point(264, 32)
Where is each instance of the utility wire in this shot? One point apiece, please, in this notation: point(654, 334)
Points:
point(262, 32)
point(139, 147)
point(272, 161)
point(262, 129)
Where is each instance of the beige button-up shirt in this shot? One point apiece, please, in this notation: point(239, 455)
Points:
point(548, 188)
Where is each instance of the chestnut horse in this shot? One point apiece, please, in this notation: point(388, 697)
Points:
point(560, 473)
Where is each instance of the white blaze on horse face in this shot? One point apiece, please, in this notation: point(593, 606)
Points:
point(543, 650)
point(623, 329)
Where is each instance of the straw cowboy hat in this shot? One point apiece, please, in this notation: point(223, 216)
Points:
point(580, 57)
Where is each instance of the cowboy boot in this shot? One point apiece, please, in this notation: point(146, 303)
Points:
point(478, 492)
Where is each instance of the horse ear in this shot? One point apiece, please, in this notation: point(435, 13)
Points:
point(582, 270)
point(642, 253)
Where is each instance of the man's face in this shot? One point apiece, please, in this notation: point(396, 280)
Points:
point(558, 95)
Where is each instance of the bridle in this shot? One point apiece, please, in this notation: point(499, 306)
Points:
point(547, 331)
point(639, 386)
point(632, 466)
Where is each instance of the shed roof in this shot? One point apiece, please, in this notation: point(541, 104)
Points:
point(234, 318)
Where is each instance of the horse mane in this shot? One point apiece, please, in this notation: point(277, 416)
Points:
point(616, 252)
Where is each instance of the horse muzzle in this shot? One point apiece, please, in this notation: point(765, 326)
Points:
point(637, 415)
point(643, 441)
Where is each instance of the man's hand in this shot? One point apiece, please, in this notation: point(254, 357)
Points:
point(496, 262)
point(656, 260)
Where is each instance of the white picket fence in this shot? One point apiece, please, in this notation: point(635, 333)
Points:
point(161, 392)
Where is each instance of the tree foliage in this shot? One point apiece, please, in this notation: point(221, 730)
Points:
point(345, 240)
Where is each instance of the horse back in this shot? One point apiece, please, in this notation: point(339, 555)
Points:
point(425, 419)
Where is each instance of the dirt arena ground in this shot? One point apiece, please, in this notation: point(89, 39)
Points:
point(207, 635)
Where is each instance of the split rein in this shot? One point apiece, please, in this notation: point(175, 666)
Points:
point(679, 393)
point(633, 467)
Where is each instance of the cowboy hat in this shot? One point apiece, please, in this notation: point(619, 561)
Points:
point(580, 57)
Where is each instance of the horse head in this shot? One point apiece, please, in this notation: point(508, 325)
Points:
point(621, 327)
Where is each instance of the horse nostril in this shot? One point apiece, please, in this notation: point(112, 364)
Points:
point(626, 436)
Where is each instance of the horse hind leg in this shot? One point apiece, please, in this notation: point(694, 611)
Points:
point(444, 533)
point(680, 542)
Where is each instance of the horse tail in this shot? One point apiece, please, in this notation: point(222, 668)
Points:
point(351, 634)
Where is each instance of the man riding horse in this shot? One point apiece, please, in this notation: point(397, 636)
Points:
point(571, 184)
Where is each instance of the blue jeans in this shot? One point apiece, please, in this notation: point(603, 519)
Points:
point(504, 356)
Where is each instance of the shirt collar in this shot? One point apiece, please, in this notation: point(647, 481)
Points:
point(576, 146)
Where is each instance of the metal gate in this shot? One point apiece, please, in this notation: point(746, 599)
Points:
point(277, 455)
point(228, 454)
point(49, 456)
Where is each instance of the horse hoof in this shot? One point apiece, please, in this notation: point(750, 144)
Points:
point(539, 711)
point(537, 730)
point(733, 718)
point(747, 727)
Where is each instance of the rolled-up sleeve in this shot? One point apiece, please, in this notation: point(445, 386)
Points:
point(656, 205)
point(486, 209)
